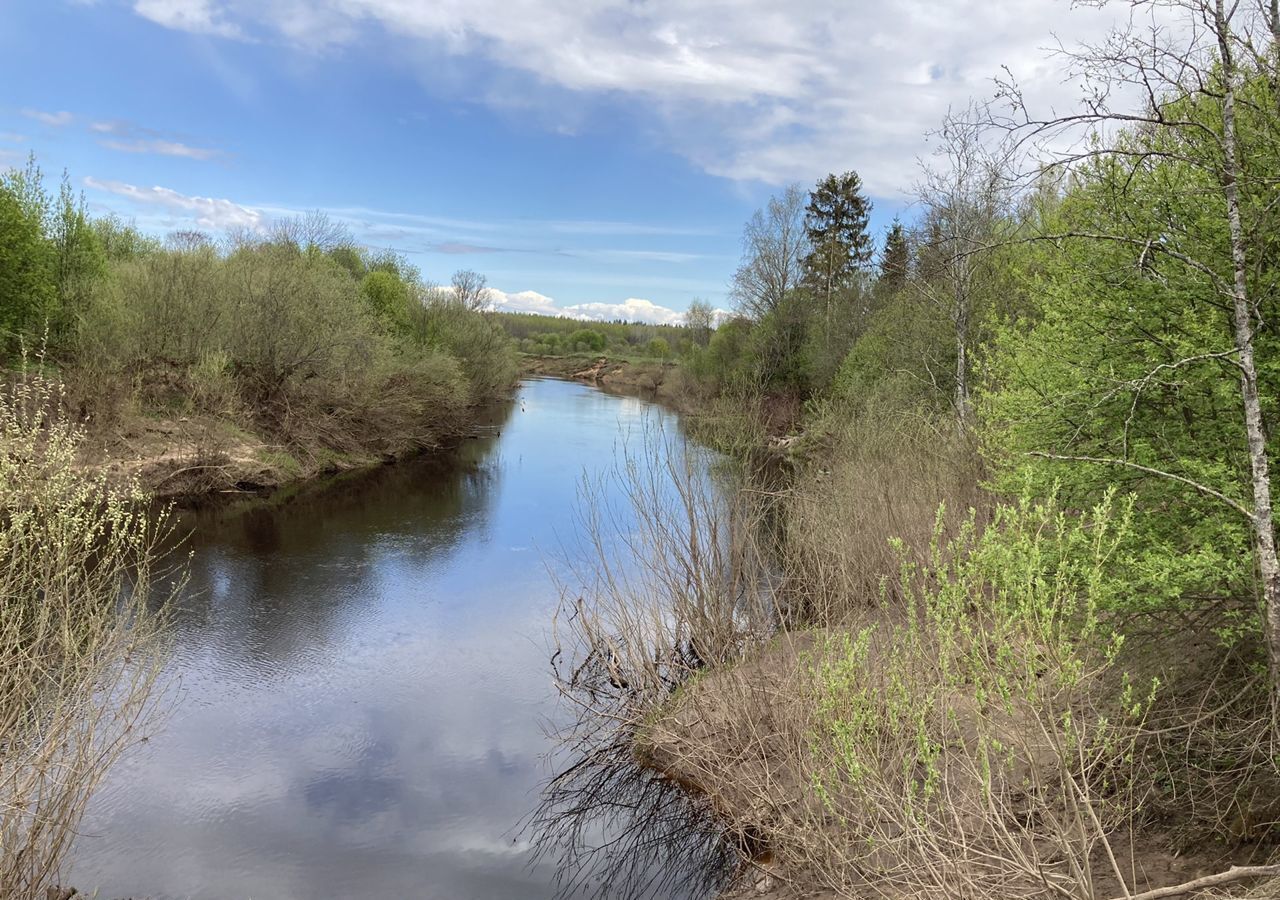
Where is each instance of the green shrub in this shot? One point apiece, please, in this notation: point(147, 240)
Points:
point(983, 724)
point(658, 347)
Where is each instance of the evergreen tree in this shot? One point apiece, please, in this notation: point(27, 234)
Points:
point(836, 226)
point(895, 261)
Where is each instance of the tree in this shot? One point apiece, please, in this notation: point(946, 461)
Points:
point(28, 275)
point(700, 320)
point(79, 258)
point(1180, 214)
point(964, 200)
point(835, 226)
point(312, 232)
point(895, 260)
point(389, 297)
point(658, 347)
point(774, 248)
point(471, 290)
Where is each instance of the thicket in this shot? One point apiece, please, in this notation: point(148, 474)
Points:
point(1020, 563)
point(294, 333)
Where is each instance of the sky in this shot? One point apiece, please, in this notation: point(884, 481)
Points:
point(595, 158)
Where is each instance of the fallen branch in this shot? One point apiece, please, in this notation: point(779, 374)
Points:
point(1235, 873)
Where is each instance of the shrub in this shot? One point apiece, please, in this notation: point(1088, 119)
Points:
point(658, 347)
point(79, 644)
point(976, 741)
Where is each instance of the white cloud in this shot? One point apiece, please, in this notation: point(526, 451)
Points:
point(161, 147)
point(747, 89)
point(632, 309)
point(54, 119)
point(12, 137)
point(203, 212)
point(525, 302)
point(199, 16)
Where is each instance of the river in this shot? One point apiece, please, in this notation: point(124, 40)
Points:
point(360, 680)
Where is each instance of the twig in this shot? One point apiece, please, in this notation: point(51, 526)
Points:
point(1235, 873)
point(1109, 461)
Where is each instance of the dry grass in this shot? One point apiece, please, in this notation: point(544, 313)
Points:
point(872, 477)
point(672, 585)
point(954, 715)
point(79, 640)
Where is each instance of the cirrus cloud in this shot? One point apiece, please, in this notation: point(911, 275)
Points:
point(204, 212)
point(198, 16)
point(162, 148)
point(52, 119)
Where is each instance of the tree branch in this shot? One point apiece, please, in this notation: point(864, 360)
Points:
point(1108, 461)
point(1235, 873)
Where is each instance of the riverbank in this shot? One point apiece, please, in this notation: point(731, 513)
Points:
point(657, 379)
point(187, 458)
point(740, 738)
point(858, 748)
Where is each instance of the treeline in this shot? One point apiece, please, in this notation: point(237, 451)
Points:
point(1028, 538)
point(294, 333)
point(555, 336)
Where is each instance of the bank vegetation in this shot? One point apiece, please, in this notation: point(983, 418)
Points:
point(993, 608)
point(263, 356)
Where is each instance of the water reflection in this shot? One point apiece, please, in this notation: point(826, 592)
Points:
point(615, 830)
point(363, 682)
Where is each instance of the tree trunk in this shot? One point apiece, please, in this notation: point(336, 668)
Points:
point(1242, 321)
point(962, 362)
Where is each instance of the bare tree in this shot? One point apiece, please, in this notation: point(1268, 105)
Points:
point(700, 319)
point(313, 230)
point(773, 252)
point(964, 194)
point(1191, 77)
point(471, 290)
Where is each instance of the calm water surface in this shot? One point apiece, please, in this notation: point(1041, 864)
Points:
point(364, 681)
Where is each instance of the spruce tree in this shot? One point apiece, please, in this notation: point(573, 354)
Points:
point(836, 226)
point(895, 261)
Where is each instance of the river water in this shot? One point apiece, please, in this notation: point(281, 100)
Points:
point(361, 680)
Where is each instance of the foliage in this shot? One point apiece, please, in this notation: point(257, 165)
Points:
point(1130, 360)
point(80, 643)
point(966, 733)
point(28, 280)
point(835, 226)
point(294, 332)
point(554, 336)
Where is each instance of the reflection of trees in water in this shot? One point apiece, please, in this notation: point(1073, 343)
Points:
point(619, 830)
point(282, 574)
point(676, 582)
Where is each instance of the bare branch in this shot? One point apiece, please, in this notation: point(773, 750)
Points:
point(1109, 461)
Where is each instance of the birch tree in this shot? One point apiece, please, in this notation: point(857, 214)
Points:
point(1176, 217)
point(773, 251)
point(964, 195)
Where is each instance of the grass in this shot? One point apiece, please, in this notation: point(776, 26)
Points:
point(281, 460)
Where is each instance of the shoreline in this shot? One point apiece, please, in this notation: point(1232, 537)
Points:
point(651, 378)
point(189, 461)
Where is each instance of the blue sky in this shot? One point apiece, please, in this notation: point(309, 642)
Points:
point(598, 156)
